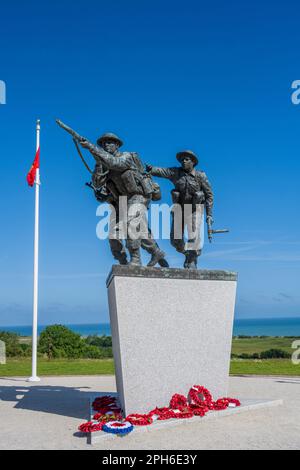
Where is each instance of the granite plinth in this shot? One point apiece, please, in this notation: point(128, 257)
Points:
point(171, 329)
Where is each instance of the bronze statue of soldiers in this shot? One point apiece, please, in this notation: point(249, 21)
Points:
point(192, 189)
point(123, 174)
point(117, 246)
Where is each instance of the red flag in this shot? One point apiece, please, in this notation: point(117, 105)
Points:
point(32, 172)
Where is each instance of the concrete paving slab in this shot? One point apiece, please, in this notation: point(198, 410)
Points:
point(47, 415)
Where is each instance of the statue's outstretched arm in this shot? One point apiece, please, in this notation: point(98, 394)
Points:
point(167, 173)
point(109, 161)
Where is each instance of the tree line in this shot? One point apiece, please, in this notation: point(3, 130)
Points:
point(58, 342)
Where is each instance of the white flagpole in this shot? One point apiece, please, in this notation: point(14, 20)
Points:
point(34, 377)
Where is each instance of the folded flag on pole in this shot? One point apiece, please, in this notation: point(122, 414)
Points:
point(32, 172)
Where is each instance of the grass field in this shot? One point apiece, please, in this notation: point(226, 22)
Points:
point(265, 367)
point(22, 366)
point(257, 345)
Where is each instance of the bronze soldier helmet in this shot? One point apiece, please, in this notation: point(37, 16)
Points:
point(109, 136)
point(187, 153)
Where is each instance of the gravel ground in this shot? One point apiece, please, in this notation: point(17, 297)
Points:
point(46, 416)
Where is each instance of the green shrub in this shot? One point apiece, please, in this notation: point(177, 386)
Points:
point(245, 356)
point(58, 341)
point(11, 340)
point(26, 349)
point(270, 354)
point(99, 341)
point(94, 352)
point(107, 353)
point(275, 354)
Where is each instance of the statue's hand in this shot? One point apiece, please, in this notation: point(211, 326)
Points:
point(149, 168)
point(84, 144)
point(209, 220)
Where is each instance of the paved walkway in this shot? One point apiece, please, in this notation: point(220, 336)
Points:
point(46, 416)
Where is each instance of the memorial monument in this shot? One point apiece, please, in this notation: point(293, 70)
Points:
point(171, 328)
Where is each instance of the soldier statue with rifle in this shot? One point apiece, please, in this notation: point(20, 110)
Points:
point(191, 194)
point(119, 174)
point(105, 193)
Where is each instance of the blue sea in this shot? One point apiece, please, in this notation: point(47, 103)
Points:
point(267, 327)
point(83, 329)
point(247, 327)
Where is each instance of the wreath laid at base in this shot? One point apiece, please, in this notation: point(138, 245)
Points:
point(118, 427)
point(109, 418)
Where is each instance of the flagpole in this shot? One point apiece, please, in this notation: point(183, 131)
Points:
point(34, 377)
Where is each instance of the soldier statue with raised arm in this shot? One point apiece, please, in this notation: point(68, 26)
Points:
point(105, 191)
point(119, 174)
point(125, 176)
point(192, 191)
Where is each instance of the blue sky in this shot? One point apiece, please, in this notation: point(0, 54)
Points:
point(211, 76)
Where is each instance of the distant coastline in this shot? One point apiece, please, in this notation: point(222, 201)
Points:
point(267, 327)
point(86, 329)
point(247, 327)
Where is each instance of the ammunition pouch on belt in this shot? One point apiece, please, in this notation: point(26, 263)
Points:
point(146, 183)
point(151, 189)
point(198, 197)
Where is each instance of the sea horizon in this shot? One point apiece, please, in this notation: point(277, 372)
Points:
point(281, 326)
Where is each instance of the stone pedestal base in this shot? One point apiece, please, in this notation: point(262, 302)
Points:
point(171, 329)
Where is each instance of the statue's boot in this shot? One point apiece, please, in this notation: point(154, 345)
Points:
point(193, 264)
point(186, 261)
point(158, 257)
point(163, 263)
point(122, 258)
point(191, 260)
point(135, 257)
